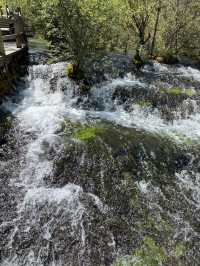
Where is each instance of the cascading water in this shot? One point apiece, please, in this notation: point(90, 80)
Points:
point(85, 179)
point(47, 209)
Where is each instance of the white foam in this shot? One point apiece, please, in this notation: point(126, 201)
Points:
point(152, 122)
point(103, 94)
point(190, 182)
point(146, 118)
point(41, 195)
point(190, 72)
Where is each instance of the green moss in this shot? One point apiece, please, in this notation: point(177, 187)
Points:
point(190, 92)
point(88, 133)
point(179, 91)
point(81, 132)
point(52, 60)
point(144, 104)
point(158, 225)
point(70, 70)
point(175, 91)
point(151, 254)
point(129, 187)
point(180, 250)
point(74, 71)
point(185, 140)
point(68, 127)
point(137, 62)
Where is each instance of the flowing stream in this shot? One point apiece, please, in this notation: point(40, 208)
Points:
point(85, 179)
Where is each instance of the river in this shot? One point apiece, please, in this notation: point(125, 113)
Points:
point(109, 178)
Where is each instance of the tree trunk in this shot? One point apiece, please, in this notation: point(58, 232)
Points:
point(156, 28)
point(141, 37)
point(177, 25)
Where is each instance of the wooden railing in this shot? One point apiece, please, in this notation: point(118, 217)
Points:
point(2, 50)
point(12, 30)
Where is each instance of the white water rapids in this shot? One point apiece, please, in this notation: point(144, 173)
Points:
point(40, 115)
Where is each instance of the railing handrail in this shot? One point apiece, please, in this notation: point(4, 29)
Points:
point(19, 32)
point(2, 49)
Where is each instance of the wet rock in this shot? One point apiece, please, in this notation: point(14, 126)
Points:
point(167, 59)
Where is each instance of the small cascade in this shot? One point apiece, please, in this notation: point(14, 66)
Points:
point(87, 178)
point(46, 209)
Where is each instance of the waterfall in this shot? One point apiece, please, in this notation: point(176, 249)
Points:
point(40, 116)
point(80, 201)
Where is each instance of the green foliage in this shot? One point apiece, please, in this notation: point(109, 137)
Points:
point(81, 29)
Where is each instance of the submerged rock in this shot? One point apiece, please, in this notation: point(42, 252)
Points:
point(113, 164)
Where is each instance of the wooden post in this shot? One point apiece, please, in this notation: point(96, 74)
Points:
point(2, 49)
point(19, 30)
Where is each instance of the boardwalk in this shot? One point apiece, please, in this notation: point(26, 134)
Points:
point(11, 48)
point(12, 38)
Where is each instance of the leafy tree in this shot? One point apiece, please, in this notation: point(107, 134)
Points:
point(88, 28)
point(140, 13)
point(181, 31)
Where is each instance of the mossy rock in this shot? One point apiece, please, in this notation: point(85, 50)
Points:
point(89, 133)
point(70, 70)
point(52, 60)
point(160, 59)
point(180, 250)
point(180, 91)
point(73, 71)
point(167, 58)
point(84, 89)
point(149, 254)
point(68, 127)
point(144, 104)
point(152, 254)
point(138, 62)
point(81, 132)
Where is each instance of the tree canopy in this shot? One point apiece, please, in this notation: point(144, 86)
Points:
point(87, 27)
